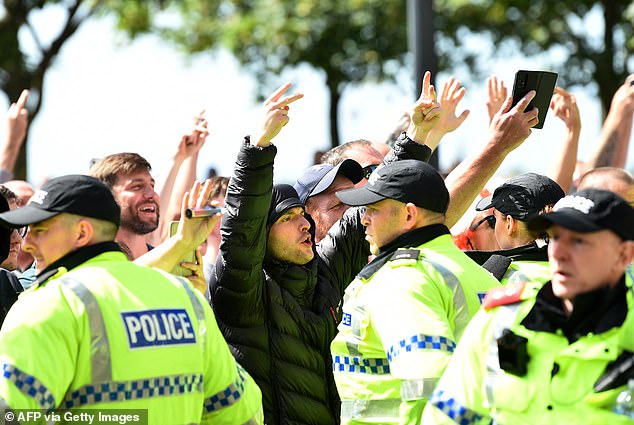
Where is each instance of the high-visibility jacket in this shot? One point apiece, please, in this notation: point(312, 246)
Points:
point(555, 384)
point(399, 329)
point(110, 334)
point(526, 271)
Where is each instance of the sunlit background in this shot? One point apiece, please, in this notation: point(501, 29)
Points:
point(106, 95)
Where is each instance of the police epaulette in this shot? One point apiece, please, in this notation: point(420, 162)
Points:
point(505, 295)
point(405, 254)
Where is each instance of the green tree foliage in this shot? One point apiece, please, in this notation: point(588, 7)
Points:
point(584, 51)
point(20, 69)
point(348, 40)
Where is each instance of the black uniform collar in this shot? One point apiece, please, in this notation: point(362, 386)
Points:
point(593, 312)
point(529, 252)
point(77, 257)
point(410, 239)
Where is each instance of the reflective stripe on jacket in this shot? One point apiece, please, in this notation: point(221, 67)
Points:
point(558, 385)
point(399, 329)
point(111, 334)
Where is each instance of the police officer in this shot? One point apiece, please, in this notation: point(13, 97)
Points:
point(406, 310)
point(557, 353)
point(100, 332)
point(523, 255)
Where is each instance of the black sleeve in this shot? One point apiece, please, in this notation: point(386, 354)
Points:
point(344, 250)
point(406, 148)
point(10, 288)
point(237, 282)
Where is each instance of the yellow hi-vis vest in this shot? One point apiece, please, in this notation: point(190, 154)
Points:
point(526, 271)
point(114, 335)
point(558, 387)
point(399, 329)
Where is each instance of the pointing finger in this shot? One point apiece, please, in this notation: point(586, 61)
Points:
point(23, 98)
point(288, 100)
point(523, 103)
point(432, 93)
point(426, 83)
point(278, 93)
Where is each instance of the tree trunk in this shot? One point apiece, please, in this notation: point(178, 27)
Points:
point(334, 114)
point(606, 76)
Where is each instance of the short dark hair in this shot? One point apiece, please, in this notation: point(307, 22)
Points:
point(108, 169)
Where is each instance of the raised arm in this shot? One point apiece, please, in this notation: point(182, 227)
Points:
point(615, 135)
point(17, 123)
point(344, 249)
point(509, 128)
point(451, 95)
point(190, 145)
point(181, 176)
point(244, 225)
point(425, 112)
point(496, 95)
point(565, 108)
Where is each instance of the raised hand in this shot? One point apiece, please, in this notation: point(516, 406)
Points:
point(17, 123)
point(564, 106)
point(191, 142)
point(497, 93)
point(511, 126)
point(623, 99)
point(452, 93)
point(194, 231)
point(275, 110)
point(450, 96)
point(425, 112)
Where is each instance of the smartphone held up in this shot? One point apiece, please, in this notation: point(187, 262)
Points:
point(543, 82)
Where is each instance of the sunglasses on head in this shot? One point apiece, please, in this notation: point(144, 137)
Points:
point(367, 171)
point(490, 219)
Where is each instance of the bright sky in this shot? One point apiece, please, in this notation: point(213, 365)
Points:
point(104, 95)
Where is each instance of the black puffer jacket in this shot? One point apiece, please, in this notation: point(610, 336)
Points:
point(279, 318)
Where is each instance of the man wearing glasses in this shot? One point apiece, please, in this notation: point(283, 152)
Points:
point(342, 169)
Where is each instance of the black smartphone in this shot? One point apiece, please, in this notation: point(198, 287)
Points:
point(190, 258)
point(543, 82)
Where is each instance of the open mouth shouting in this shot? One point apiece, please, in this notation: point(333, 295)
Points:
point(307, 241)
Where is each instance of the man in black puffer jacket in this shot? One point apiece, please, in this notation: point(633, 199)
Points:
point(276, 295)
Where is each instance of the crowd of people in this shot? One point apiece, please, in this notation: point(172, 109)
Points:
point(372, 291)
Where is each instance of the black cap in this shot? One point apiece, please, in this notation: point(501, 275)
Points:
point(74, 194)
point(406, 181)
point(319, 177)
point(523, 196)
point(590, 210)
point(283, 198)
